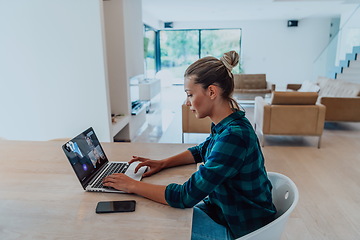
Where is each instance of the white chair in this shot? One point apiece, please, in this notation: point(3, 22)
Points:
point(285, 197)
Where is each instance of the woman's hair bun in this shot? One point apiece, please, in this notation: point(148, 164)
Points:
point(230, 59)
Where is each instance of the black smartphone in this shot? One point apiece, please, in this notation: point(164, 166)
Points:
point(116, 206)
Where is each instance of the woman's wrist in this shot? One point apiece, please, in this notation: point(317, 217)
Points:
point(183, 158)
point(164, 163)
point(132, 186)
point(148, 190)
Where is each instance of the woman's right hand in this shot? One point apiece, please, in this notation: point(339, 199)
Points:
point(154, 166)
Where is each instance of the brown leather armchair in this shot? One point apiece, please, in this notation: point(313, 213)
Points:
point(248, 86)
point(191, 124)
point(289, 113)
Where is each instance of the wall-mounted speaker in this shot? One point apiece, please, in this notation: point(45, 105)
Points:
point(168, 24)
point(292, 23)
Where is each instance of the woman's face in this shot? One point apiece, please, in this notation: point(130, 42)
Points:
point(197, 98)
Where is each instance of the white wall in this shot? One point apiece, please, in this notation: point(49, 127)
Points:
point(52, 71)
point(285, 54)
point(134, 38)
point(116, 58)
point(151, 21)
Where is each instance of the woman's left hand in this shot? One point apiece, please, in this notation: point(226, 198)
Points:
point(119, 181)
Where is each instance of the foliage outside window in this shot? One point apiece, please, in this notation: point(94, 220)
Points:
point(180, 48)
point(217, 42)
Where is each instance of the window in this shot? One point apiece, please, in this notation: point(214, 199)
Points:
point(150, 52)
point(217, 42)
point(177, 49)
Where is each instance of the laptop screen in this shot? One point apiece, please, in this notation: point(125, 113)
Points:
point(85, 155)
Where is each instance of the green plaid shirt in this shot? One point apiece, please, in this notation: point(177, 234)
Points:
point(232, 181)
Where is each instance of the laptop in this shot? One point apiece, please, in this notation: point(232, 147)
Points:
point(90, 164)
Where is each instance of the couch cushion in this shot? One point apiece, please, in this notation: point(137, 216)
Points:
point(308, 86)
point(294, 98)
point(337, 88)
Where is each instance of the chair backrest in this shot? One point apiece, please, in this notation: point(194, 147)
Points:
point(292, 113)
point(285, 197)
point(294, 98)
point(191, 124)
point(250, 81)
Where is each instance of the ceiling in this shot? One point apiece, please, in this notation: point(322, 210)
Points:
point(230, 10)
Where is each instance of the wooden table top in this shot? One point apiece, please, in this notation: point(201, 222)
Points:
point(41, 197)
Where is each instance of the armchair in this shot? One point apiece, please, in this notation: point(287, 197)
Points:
point(248, 86)
point(191, 124)
point(289, 113)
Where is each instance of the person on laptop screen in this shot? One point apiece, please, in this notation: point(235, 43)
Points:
point(230, 192)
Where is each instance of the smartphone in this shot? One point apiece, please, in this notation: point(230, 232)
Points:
point(116, 206)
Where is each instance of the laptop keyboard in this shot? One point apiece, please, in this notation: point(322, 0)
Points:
point(114, 168)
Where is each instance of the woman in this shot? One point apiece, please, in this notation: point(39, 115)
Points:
point(230, 191)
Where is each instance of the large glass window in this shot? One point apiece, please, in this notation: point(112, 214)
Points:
point(217, 42)
point(177, 49)
point(150, 52)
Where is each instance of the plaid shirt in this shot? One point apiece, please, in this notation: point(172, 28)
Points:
point(232, 181)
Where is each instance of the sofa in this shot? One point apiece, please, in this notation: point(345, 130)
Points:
point(248, 86)
point(341, 98)
point(289, 113)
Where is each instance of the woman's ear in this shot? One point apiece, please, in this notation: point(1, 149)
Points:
point(213, 91)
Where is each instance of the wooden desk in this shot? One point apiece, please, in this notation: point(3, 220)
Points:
point(41, 198)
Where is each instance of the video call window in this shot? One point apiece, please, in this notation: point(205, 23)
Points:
point(85, 154)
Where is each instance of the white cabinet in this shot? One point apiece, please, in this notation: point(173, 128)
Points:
point(149, 88)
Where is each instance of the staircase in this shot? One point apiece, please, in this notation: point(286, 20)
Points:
point(349, 69)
